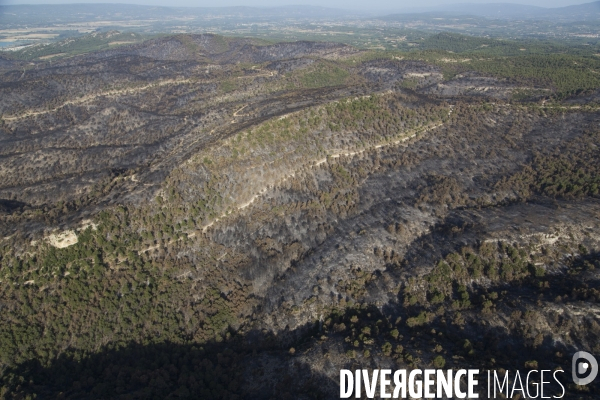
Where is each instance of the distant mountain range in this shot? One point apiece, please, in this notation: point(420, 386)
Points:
point(520, 11)
point(580, 12)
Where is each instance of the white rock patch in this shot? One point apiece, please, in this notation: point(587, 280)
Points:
point(62, 239)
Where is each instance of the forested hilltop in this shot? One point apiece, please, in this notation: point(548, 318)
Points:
point(202, 216)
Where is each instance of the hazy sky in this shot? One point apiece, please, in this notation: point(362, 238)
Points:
point(347, 4)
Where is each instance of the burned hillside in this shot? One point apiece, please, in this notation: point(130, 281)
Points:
point(195, 214)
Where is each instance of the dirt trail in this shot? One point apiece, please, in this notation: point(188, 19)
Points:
point(235, 114)
point(319, 162)
point(91, 97)
point(112, 93)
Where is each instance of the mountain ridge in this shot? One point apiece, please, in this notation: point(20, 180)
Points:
point(585, 11)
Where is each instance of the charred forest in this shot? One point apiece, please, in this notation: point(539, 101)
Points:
point(207, 216)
